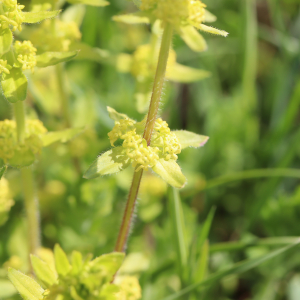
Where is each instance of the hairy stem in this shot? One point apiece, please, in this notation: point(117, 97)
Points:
point(31, 203)
point(151, 118)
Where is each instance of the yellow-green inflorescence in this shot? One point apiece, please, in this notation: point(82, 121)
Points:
point(14, 153)
point(79, 279)
point(176, 12)
point(26, 54)
point(164, 143)
point(6, 201)
point(11, 15)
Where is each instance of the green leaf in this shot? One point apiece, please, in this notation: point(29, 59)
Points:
point(36, 17)
point(179, 229)
point(43, 272)
point(180, 73)
point(22, 159)
point(134, 18)
point(209, 17)
point(235, 269)
point(170, 172)
point(2, 171)
point(91, 53)
point(212, 30)
point(6, 39)
point(53, 58)
point(62, 136)
point(74, 13)
point(193, 38)
point(26, 286)
point(77, 262)
point(110, 162)
point(190, 139)
point(108, 264)
point(90, 2)
point(14, 85)
point(114, 115)
point(202, 263)
point(62, 264)
point(206, 227)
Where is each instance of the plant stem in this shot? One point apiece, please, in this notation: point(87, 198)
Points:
point(158, 82)
point(32, 211)
point(31, 203)
point(151, 118)
point(63, 95)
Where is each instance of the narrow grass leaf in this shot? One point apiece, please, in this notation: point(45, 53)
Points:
point(28, 288)
point(178, 228)
point(202, 263)
point(235, 269)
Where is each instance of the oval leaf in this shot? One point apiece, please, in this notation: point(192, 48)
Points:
point(170, 172)
point(180, 73)
point(112, 161)
point(63, 136)
point(90, 2)
point(53, 58)
point(190, 139)
point(193, 38)
point(26, 286)
point(135, 18)
point(116, 116)
point(36, 17)
point(62, 264)
point(14, 85)
point(209, 17)
point(6, 39)
point(43, 272)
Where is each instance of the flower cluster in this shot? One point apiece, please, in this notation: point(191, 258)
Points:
point(176, 12)
point(5, 200)
point(81, 279)
point(26, 54)
point(15, 153)
point(164, 143)
point(12, 15)
point(65, 34)
point(4, 67)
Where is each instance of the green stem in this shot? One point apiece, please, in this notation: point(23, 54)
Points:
point(158, 82)
point(129, 210)
point(63, 95)
point(31, 203)
point(32, 211)
point(151, 118)
point(19, 111)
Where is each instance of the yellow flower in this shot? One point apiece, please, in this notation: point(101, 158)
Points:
point(4, 67)
point(12, 15)
point(26, 54)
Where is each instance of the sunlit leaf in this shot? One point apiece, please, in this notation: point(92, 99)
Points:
point(170, 172)
point(114, 115)
point(14, 85)
point(52, 58)
point(180, 73)
point(110, 162)
point(62, 264)
point(62, 136)
point(74, 13)
point(235, 269)
point(43, 272)
point(193, 38)
point(190, 139)
point(134, 18)
point(76, 262)
point(108, 264)
point(209, 17)
point(36, 17)
point(6, 39)
point(26, 286)
point(90, 2)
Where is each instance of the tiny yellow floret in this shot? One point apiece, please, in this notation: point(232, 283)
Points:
point(12, 15)
point(26, 54)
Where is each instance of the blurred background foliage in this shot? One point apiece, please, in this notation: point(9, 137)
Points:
point(249, 108)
